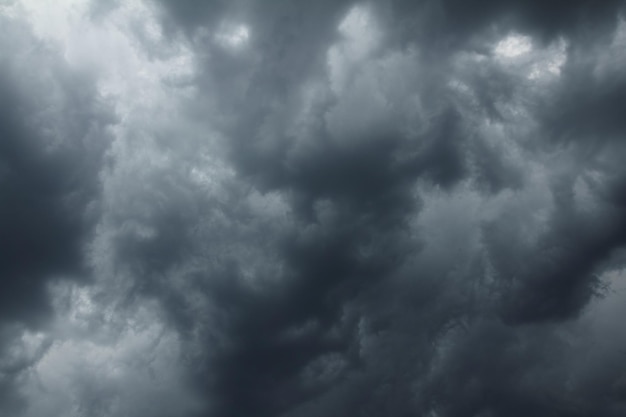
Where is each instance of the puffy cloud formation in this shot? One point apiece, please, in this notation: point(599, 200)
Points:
point(395, 208)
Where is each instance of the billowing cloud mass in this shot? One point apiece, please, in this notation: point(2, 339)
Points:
point(326, 208)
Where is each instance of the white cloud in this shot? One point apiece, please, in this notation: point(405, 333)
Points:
point(361, 38)
point(111, 50)
point(513, 46)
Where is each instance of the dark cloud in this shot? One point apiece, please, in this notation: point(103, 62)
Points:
point(588, 107)
point(452, 23)
point(52, 140)
point(455, 343)
point(560, 274)
point(400, 208)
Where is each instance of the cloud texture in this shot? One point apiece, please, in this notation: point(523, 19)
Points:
point(289, 208)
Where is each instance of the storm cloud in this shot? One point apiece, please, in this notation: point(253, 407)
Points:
point(289, 208)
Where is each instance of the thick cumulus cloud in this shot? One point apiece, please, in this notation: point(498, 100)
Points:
point(313, 208)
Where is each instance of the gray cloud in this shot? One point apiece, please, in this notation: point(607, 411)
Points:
point(53, 136)
point(53, 133)
point(392, 208)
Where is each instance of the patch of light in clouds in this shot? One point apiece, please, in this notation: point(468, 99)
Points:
point(361, 37)
point(111, 50)
point(233, 35)
point(513, 46)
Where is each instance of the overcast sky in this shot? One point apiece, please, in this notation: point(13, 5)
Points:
point(312, 208)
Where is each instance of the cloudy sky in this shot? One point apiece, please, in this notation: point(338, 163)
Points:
point(312, 208)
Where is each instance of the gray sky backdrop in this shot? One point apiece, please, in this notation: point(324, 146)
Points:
point(312, 208)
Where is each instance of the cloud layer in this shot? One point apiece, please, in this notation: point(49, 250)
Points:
point(393, 208)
